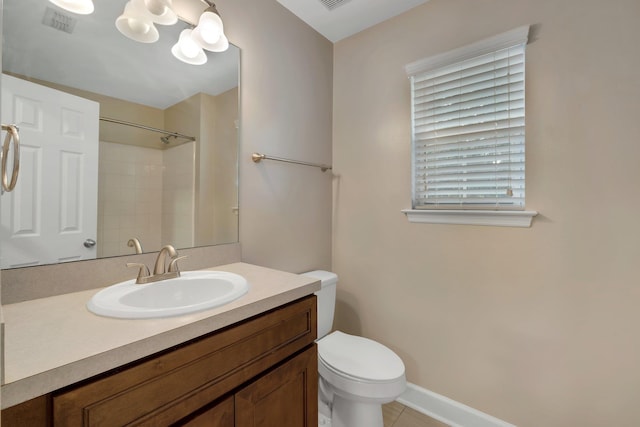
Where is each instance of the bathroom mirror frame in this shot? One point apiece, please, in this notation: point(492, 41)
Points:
point(103, 21)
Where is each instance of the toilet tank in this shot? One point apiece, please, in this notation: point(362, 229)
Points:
point(326, 299)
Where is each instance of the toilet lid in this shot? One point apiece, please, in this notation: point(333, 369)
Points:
point(360, 357)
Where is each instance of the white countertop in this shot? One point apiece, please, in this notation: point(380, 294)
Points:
point(54, 342)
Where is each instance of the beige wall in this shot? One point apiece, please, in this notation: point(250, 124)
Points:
point(207, 168)
point(182, 174)
point(539, 326)
point(212, 120)
point(286, 93)
point(224, 160)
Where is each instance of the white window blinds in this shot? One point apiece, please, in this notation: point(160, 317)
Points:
point(468, 120)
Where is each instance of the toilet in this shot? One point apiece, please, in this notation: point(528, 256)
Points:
point(356, 375)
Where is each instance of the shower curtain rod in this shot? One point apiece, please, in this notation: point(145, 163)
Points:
point(149, 128)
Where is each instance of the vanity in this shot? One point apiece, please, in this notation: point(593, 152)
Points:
point(243, 364)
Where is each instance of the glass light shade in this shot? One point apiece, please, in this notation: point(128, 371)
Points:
point(158, 11)
point(81, 7)
point(209, 32)
point(187, 49)
point(136, 26)
point(220, 46)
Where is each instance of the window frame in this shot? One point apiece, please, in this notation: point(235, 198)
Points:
point(464, 214)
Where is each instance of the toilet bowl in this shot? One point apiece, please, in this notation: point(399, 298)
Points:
point(356, 374)
point(360, 375)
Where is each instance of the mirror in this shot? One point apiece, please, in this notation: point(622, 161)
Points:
point(120, 142)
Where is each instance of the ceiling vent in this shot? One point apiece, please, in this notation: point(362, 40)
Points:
point(332, 4)
point(55, 19)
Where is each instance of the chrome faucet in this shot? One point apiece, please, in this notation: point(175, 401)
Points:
point(159, 270)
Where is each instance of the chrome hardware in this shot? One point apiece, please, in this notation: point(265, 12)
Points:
point(89, 243)
point(12, 134)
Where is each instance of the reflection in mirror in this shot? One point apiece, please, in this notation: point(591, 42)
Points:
point(120, 140)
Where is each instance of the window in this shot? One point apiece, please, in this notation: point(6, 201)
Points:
point(468, 123)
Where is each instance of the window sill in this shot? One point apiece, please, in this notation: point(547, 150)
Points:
point(469, 217)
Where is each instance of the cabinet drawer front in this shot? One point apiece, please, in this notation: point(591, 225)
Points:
point(168, 387)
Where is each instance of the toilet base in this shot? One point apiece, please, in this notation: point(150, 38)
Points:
point(324, 421)
point(351, 413)
point(324, 414)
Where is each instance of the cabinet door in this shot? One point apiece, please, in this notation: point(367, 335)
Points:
point(33, 413)
point(220, 415)
point(284, 397)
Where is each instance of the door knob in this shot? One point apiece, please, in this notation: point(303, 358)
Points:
point(89, 243)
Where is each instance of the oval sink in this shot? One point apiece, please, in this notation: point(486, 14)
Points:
point(192, 291)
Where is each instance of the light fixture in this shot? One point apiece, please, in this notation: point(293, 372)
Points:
point(139, 16)
point(209, 33)
point(136, 25)
point(158, 11)
point(188, 50)
point(81, 7)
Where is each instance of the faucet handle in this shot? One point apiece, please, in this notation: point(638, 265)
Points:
point(173, 265)
point(143, 272)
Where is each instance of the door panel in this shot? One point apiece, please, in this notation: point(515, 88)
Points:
point(53, 208)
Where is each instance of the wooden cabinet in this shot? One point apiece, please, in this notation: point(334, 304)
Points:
point(285, 397)
point(219, 414)
point(260, 372)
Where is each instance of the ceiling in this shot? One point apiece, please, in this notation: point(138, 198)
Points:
point(95, 57)
point(346, 17)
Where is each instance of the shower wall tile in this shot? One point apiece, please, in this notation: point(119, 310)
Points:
point(130, 198)
point(178, 196)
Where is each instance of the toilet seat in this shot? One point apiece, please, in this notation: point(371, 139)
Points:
point(359, 358)
point(359, 368)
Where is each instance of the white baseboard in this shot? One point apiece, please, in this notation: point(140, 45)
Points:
point(447, 410)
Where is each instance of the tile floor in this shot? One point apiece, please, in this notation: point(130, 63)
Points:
point(397, 415)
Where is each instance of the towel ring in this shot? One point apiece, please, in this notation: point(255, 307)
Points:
point(12, 134)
